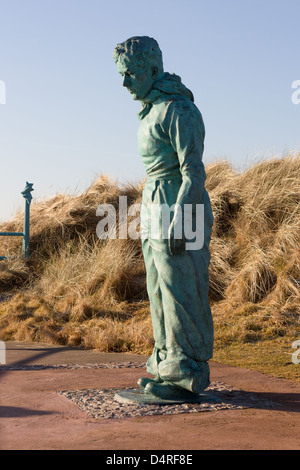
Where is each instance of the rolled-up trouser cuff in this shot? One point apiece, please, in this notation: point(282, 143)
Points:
point(183, 372)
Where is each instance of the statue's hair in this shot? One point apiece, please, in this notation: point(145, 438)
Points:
point(143, 48)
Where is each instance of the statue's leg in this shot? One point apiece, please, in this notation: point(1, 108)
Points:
point(157, 313)
point(183, 281)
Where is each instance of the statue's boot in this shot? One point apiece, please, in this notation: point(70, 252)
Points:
point(169, 391)
point(195, 382)
point(143, 381)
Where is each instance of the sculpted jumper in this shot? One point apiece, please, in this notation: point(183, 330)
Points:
point(171, 142)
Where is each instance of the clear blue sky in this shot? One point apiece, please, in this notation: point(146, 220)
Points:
point(67, 118)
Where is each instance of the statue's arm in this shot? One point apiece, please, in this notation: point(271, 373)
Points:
point(187, 134)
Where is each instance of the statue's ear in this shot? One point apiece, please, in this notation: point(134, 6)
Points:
point(154, 73)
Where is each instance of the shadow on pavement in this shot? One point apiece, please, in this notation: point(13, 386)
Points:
point(287, 401)
point(23, 362)
point(19, 412)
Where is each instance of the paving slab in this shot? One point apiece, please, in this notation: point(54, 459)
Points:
point(18, 353)
point(36, 415)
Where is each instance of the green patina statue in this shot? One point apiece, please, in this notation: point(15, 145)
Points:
point(171, 142)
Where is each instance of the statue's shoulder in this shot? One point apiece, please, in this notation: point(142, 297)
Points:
point(174, 102)
point(172, 105)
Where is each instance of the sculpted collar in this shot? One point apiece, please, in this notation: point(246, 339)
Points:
point(169, 84)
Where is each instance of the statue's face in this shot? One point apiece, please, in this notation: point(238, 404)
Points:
point(138, 77)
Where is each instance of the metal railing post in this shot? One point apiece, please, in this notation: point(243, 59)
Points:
point(25, 234)
point(26, 231)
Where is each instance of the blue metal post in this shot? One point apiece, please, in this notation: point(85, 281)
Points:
point(28, 197)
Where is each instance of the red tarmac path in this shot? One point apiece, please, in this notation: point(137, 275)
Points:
point(34, 416)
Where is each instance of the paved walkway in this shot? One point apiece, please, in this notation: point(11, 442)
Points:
point(35, 416)
point(20, 353)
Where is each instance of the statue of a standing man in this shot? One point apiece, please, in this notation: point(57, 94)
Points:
point(171, 142)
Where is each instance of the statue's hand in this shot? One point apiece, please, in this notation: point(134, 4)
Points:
point(176, 239)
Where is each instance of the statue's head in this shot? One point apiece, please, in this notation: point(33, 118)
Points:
point(139, 61)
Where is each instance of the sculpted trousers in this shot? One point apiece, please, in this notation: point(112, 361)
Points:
point(182, 323)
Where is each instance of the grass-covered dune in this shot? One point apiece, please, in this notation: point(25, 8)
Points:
point(78, 290)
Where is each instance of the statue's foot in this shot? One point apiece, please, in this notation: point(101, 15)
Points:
point(201, 382)
point(143, 381)
point(168, 391)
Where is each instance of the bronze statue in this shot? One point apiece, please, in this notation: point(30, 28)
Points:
point(171, 142)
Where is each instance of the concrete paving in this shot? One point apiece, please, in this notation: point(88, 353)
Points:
point(35, 416)
point(18, 353)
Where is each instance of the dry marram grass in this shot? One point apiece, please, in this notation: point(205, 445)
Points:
point(78, 290)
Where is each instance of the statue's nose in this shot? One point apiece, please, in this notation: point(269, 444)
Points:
point(126, 81)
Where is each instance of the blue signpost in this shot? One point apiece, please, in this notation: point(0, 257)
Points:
point(26, 229)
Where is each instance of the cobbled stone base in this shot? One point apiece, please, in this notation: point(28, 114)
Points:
point(102, 403)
